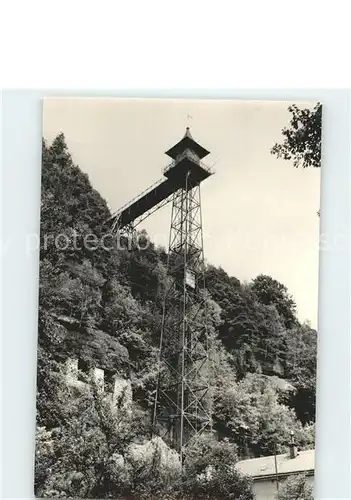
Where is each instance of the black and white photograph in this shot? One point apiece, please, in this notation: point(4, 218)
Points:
point(178, 299)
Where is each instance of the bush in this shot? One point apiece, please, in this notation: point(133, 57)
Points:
point(210, 473)
point(296, 488)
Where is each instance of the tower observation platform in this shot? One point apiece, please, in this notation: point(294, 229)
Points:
point(186, 170)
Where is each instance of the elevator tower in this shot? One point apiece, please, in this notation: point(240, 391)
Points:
point(182, 405)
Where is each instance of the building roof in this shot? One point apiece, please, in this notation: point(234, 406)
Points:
point(187, 142)
point(264, 467)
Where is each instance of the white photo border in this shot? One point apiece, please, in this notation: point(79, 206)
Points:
point(22, 133)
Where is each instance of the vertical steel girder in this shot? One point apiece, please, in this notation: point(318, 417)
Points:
point(182, 407)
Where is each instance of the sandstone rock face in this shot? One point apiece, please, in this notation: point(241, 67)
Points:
point(144, 453)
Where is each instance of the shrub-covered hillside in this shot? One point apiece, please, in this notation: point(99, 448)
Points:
point(104, 307)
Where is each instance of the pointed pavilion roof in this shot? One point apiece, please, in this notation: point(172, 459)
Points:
point(187, 142)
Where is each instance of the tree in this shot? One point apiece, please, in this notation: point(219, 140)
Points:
point(301, 366)
point(252, 413)
point(86, 455)
point(302, 139)
point(50, 391)
point(121, 310)
point(156, 470)
point(296, 488)
point(270, 292)
point(251, 327)
point(105, 307)
point(210, 473)
point(73, 214)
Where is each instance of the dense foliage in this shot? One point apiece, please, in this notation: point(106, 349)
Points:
point(303, 137)
point(104, 306)
point(296, 488)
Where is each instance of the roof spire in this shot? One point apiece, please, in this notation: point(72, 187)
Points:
point(187, 133)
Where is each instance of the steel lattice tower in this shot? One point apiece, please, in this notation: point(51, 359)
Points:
point(182, 400)
point(182, 406)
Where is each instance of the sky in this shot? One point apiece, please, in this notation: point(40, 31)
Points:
point(259, 213)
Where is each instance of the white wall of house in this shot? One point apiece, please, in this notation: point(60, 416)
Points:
point(71, 368)
point(266, 489)
point(99, 377)
point(120, 384)
point(72, 371)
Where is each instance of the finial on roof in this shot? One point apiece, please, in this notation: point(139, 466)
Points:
point(187, 133)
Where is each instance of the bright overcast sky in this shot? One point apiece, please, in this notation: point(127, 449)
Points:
point(259, 213)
